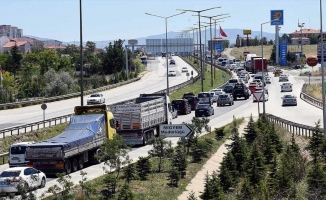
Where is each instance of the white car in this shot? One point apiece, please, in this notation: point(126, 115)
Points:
point(172, 73)
point(95, 99)
point(268, 80)
point(218, 91)
point(283, 77)
point(27, 177)
point(184, 69)
point(286, 87)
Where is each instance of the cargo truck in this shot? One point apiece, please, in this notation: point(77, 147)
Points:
point(259, 64)
point(139, 120)
point(79, 143)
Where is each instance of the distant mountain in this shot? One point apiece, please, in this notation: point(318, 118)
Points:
point(231, 33)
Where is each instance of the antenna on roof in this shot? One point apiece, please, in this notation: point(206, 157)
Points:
point(309, 24)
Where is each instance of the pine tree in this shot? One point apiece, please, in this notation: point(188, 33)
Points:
point(317, 179)
point(179, 160)
point(161, 150)
point(275, 137)
point(247, 191)
point(129, 172)
point(213, 189)
point(143, 167)
point(16, 59)
point(207, 193)
point(256, 167)
point(316, 142)
point(174, 177)
point(250, 131)
point(268, 148)
point(192, 196)
point(228, 172)
point(125, 193)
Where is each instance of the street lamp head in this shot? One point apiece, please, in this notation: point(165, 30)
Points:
point(198, 11)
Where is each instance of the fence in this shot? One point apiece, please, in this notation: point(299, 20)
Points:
point(67, 96)
point(64, 119)
point(310, 99)
point(292, 127)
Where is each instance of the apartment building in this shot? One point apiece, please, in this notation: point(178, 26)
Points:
point(10, 31)
point(306, 33)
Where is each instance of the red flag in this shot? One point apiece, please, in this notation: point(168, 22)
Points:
point(222, 32)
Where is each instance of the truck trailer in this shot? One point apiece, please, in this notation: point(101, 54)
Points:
point(139, 120)
point(259, 64)
point(79, 143)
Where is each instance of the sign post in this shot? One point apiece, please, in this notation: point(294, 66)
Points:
point(176, 130)
point(44, 106)
point(224, 76)
point(309, 74)
point(258, 96)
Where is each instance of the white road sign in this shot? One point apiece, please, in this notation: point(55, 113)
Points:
point(258, 95)
point(174, 130)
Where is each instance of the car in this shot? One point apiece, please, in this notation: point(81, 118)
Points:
point(286, 87)
point(204, 110)
point(252, 86)
point(213, 96)
point(232, 66)
point(244, 80)
point(172, 62)
point(224, 99)
point(205, 98)
point(172, 73)
point(95, 99)
point(228, 89)
point(192, 99)
point(260, 90)
point(240, 91)
point(233, 81)
point(283, 77)
point(277, 72)
point(289, 100)
point(184, 69)
point(27, 177)
point(182, 106)
point(268, 80)
point(260, 77)
point(258, 81)
point(218, 91)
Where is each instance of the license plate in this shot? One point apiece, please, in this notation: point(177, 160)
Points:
point(201, 110)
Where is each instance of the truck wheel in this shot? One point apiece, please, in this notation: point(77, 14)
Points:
point(68, 166)
point(145, 139)
point(74, 164)
point(81, 162)
point(98, 153)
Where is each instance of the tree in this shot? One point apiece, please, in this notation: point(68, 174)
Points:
point(5, 61)
point(316, 142)
point(58, 83)
point(285, 36)
point(179, 160)
point(213, 189)
point(174, 177)
point(250, 131)
point(313, 39)
point(192, 196)
point(228, 172)
point(317, 179)
point(125, 193)
point(129, 172)
point(256, 167)
point(113, 59)
point(225, 44)
point(49, 59)
point(273, 54)
point(16, 59)
point(143, 167)
point(160, 149)
point(247, 191)
point(90, 47)
point(291, 57)
point(8, 81)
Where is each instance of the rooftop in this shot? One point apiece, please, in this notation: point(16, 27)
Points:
point(55, 47)
point(306, 31)
point(11, 44)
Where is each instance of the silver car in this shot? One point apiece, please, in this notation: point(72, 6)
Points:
point(225, 99)
point(289, 100)
point(214, 96)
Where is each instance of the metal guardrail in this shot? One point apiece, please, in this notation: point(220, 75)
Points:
point(310, 99)
point(58, 120)
point(292, 127)
point(67, 96)
point(3, 157)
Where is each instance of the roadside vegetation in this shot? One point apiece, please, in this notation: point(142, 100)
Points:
point(196, 87)
point(315, 90)
point(163, 175)
point(47, 72)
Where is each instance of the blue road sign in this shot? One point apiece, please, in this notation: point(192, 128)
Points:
point(309, 74)
point(283, 51)
point(277, 14)
point(319, 51)
point(223, 76)
point(218, 47)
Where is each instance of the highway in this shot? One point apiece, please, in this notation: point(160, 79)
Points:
point(152, 81)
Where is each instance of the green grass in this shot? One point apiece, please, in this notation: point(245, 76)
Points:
point(196, 87)
point(38, 135)
point(156, 187)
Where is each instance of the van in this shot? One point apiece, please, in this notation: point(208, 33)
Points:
point(17, 154)
point(182, 106)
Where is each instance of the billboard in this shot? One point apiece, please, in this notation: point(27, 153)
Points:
point(278, 17)
point(246, 32)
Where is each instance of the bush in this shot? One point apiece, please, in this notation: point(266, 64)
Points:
point(58, 83)
point(219, 133)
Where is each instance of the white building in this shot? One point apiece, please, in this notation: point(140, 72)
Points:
point(24, 47)
point(3, 40)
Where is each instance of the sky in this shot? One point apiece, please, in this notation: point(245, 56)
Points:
point(126, 19)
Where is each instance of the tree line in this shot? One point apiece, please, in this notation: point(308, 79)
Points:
point(48, 72)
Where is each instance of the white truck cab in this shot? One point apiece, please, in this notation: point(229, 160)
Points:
point(17, 154)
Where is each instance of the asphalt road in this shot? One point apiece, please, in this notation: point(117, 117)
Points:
point(153, 81)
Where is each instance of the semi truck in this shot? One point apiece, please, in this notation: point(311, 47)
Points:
point(79, 143)
point(255, 65)
point(140, 119)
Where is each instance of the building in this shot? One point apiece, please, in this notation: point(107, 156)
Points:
point(175, 45)
point(306, 33)
point(34, 42)
point(55, 47)
point(214, 42)
point(10, 31)
point(24, 47)
point(3, 40)
point(52, 43)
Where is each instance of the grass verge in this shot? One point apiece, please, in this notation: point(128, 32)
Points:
point(156, 187)
point(315, 90)
point(196, 87)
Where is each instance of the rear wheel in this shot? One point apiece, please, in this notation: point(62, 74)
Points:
point(81, 162)
point(74, 164)
point(43, 183)
point(145, 139)
point(68, 166)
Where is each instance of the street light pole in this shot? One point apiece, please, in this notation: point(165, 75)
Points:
point(81, 55)
point(322, 66)
point(200, 48)
point(166, 47)
point(300, 25)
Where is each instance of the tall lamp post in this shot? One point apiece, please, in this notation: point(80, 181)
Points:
point(301, 25)
point(81, 55)
point(322, 65)
point(262, 60)
point(200, 50)
point(211, 49)
point(166, 46)
point(215, 23)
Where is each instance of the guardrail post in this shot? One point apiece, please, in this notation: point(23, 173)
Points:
point(17, 133)
point(25, 129)
point(38, 126)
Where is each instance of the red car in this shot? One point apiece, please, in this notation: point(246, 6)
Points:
point(253, 86)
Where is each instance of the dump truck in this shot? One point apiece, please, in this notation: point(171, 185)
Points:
point(139, 119)
point(79, 143)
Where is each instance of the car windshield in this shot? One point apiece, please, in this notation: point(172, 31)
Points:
point(223, 96)
point(178, 104)
point(184, 67)
point(203, 95)
point(5, 174)
point(171, 71)
point(18, 150)
point(288, 96)
point(228, 87)
point(95, 95)
point(239, 87)
point(233, 81)
point(201, 106)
